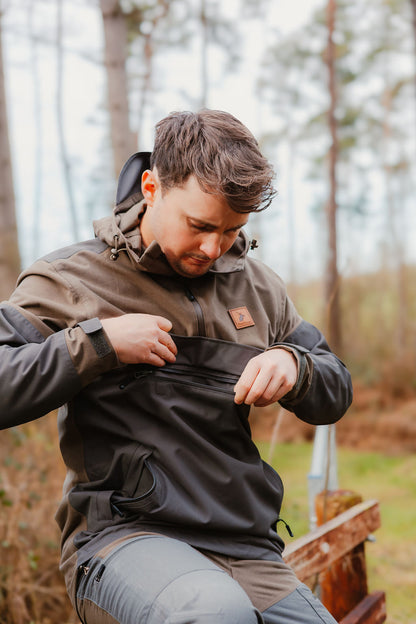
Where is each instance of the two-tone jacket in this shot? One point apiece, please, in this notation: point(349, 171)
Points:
point(158, 449)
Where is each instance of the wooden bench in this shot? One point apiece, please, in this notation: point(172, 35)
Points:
point(334, 541)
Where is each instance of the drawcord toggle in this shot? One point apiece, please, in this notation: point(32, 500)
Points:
point(114, 252)
point(288, 529)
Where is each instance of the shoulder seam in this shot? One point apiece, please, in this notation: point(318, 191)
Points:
point(94, 245)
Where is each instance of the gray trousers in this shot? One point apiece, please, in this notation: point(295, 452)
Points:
point(153, 579)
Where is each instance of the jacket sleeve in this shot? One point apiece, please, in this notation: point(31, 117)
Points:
point(40, 371)
point(37, 374)
point(323, 391)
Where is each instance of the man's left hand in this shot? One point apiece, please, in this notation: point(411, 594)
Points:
point(267, 378)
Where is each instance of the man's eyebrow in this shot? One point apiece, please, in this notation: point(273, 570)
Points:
point(237, 227)
point(206, 224)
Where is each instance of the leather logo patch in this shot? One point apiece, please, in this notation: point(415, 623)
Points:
point(241, 317)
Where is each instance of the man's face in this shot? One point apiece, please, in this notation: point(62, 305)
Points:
point(193, 228)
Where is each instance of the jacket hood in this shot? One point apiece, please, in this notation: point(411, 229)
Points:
point(121, 231)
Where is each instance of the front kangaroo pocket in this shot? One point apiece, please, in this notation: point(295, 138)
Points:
point(173, 448)
point(124, 474)
point(207, 472)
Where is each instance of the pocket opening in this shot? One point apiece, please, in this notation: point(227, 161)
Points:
point(118, 501)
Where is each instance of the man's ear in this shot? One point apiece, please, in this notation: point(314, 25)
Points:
point(150, 184)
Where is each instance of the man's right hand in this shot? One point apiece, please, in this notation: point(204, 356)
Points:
point(141, 339)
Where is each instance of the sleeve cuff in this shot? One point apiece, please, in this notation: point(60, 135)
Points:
point(95, 332)
point(304, 371)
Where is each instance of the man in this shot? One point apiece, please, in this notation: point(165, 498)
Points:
point(156, 337)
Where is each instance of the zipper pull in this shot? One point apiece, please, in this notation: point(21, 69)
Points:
point(143, 373)
point(288, 529)
point(99, 573)
point(137, 375)
point(189, 294)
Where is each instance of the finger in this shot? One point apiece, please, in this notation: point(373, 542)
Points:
point(272, 393)
point(244, 384)
point(168, 342)
point(259, 387)
point(164, 352)
point(164, 323)
point(155, 360)
point(278, 387)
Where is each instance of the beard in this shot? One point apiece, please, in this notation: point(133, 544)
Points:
point(189, 265)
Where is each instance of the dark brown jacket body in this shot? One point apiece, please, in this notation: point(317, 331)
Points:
point(166, 449)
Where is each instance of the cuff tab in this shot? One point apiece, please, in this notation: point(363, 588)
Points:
point(95, 332)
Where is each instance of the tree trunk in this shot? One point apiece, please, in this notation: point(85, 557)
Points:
point(413, 3)
point(395, 201)
point(9, 248)
point(123, 140)
point(331, 276)
point(148, 52)
point(291, 216)
point(61, 123)
point(38, 128)
point(147, 82)
point(204, 54)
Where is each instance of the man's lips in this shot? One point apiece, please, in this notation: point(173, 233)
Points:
point(201, 261)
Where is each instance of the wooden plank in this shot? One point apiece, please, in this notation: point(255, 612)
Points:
point(371, 610)
point(316, 551)
point(344, 584)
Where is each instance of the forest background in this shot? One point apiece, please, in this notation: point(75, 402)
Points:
point(328, 88)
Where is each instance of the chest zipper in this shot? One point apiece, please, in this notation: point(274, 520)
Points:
point(198, 311)
point(203, 373)
point(189, 376)
point(182, 373)
point(134, 376)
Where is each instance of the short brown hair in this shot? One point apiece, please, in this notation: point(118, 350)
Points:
point(222, 154)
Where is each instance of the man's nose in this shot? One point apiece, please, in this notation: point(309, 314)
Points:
point(211, 246)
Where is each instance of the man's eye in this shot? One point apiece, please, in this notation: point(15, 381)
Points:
point(200, 228)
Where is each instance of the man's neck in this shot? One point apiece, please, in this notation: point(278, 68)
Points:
point(146, 233)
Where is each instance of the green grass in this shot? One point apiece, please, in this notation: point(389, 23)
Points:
point(391, 560)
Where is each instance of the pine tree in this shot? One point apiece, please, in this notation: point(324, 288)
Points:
point(9, 249)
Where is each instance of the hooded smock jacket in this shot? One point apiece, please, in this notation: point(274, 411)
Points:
point(154, 449)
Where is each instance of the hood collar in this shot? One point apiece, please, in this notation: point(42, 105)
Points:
point(122, 232)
